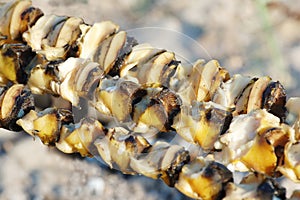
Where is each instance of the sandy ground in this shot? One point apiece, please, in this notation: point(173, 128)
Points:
point(243, 36)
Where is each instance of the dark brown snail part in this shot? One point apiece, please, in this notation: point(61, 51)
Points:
point(274, 100)
point(171, 102)
point(14, 58)
point(16, 102)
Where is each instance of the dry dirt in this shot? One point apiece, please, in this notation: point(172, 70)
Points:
point(244, 35)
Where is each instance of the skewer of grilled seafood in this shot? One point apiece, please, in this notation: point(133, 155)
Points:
point(149, 79)
point(131, 153)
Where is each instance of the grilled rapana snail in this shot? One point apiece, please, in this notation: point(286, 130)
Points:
point(238, 123)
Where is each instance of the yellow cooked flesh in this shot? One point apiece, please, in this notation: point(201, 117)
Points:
point(46, 128)
point(261, 157)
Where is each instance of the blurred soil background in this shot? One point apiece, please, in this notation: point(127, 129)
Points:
point(252, 37)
